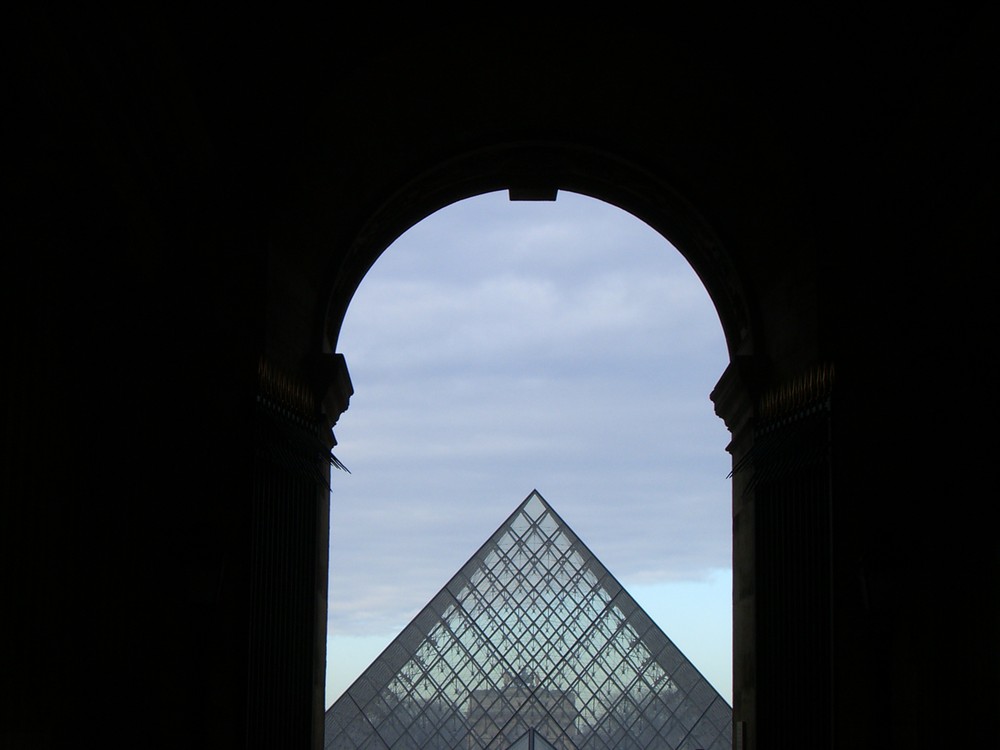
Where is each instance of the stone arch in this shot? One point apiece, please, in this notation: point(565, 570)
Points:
point(536, 171)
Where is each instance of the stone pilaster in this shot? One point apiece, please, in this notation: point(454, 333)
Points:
point(289, 556)
point(735, 405)
point(782, 554)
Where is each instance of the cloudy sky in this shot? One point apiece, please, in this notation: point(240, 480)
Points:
point(501, 347)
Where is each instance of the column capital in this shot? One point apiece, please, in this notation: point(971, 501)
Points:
point(333, 387)
point(734, 396)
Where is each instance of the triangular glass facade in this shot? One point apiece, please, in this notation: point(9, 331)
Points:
point(533, 633)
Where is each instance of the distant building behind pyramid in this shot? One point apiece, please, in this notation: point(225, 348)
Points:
point(532, 643)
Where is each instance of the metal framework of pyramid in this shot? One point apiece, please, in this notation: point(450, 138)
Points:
point(534, 643)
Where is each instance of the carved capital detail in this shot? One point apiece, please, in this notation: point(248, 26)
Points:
point(334, 386)
point(790, 428)
point(733, 395)
point(812, 387)
point(309, 408)
point(285, 392)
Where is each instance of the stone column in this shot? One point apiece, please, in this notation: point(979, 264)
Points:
point(289, 556)
point(782, 555)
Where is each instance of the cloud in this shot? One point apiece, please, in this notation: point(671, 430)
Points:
point(498, 348)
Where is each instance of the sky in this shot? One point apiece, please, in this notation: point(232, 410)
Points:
point(501, 347)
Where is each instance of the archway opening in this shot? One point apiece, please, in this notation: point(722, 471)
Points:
point(503, 346)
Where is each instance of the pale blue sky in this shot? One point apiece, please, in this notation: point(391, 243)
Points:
point(502, 347)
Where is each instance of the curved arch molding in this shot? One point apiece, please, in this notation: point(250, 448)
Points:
point(538, 168)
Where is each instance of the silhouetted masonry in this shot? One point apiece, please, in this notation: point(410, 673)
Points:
point(533, 634)
point(194, 197)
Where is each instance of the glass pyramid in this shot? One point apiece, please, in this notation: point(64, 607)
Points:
point(533, 639)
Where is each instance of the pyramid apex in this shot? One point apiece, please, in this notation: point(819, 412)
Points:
point(533, 504)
